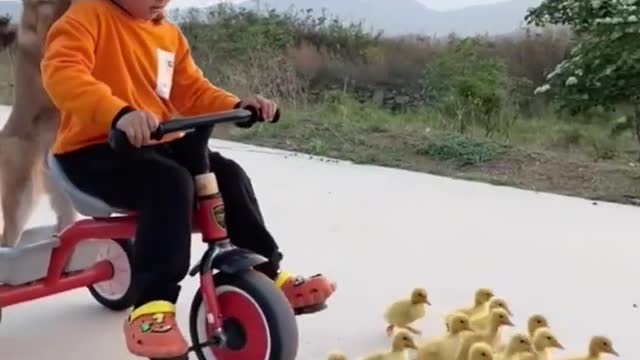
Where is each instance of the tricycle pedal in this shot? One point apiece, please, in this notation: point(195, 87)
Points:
point(217, 341)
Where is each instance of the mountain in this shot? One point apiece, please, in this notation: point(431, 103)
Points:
point(392, 16)
point(494, 19)
point(11, 8)
point(411, 16)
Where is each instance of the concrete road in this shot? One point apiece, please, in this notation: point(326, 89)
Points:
point(380, 232)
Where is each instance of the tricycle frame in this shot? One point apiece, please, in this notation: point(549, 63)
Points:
point(57, 280)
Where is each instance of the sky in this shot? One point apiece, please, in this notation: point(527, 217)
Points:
point(441, 5)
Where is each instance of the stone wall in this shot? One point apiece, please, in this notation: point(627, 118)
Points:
point(392, 98)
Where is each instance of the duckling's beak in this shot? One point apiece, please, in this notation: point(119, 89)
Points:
point(559, 346)
point(510, 323)
point(426, 301)
point(412, 345)
point(508, 311)
point(614, 353)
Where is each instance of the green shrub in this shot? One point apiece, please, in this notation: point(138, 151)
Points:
point(462, 150)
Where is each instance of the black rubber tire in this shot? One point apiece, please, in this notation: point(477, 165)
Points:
point(127, 300)
point(283, 328)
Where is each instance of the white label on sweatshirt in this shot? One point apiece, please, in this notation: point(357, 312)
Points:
point(166, 61)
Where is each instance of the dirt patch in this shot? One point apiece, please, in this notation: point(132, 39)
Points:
point(542, 173)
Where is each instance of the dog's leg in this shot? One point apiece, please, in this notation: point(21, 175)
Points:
point(17, 204)
point(18, 189)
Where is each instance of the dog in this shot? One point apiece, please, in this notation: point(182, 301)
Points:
point(31, 127)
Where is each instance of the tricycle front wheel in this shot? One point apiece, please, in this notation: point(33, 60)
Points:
point(258, 321)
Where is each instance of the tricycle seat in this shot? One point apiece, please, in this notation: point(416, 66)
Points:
point(84, 203)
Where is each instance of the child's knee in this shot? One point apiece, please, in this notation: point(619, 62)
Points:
point(176, 186)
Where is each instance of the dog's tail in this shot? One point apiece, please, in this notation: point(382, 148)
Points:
point(8, 33)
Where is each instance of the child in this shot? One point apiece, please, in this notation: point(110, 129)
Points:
point(120, 63)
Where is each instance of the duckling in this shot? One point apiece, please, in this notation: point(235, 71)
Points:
point(491, 336)
point(543, 342)
point(480, 351)
point(535, 322)
point(518, 344)
point(597, 346)
point(480, 300)
point(402, 341)
point(336, 355)
point(445, 347)
point(481, 321)
point(404, 312)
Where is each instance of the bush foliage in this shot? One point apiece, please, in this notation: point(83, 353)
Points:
point(588, 60)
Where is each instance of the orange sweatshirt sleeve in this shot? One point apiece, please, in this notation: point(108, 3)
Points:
point(66, 74)
point(192, 92)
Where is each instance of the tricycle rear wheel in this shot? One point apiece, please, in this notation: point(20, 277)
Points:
point(258, 321)
point(118, 293)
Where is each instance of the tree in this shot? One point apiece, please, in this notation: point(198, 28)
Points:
point(469, 84)
point(603, 69)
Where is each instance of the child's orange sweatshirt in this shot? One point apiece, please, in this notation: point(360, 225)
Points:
point(100, 62)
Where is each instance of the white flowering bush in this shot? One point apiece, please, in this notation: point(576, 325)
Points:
point(603, 68)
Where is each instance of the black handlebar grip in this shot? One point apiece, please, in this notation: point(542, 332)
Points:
point(158, 133)
point(276, 117)
point(118, 140)
point(256, 117)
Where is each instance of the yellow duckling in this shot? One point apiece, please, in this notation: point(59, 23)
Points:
point(491, 336)
point(535, 322)
point(480, 300)
point(480, 351)
point(404, 312)
point(597, 346)
point(543, 342)
point(445, 347)
point(518, 344)
point(402, 341)
point(481, 321)
point(336, 355)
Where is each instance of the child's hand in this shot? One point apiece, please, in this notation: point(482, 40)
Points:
point(267, 107)
point(138, 126)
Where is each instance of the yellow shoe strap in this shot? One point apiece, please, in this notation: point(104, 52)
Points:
point(283, 277)
point(153, 307)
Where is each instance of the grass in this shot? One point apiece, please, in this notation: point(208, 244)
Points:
point(544, 155)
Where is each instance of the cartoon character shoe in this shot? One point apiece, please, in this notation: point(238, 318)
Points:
point(306, 295)
point(151, 331)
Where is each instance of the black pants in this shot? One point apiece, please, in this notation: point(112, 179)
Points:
point(157, 183)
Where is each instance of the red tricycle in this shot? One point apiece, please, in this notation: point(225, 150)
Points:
point(237, 313)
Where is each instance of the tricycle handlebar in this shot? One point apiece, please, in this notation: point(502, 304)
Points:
point(249, 116)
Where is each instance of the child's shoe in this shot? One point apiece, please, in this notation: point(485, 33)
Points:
point(306, 295)
point(151, 331)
